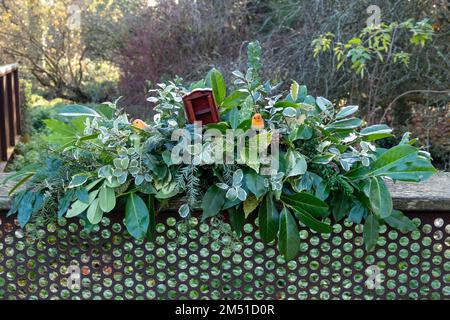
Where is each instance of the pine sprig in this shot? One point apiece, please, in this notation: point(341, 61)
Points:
point(188, 182)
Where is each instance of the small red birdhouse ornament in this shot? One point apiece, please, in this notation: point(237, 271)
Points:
point(200, 106)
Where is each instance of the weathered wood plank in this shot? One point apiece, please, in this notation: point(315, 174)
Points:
point(431, 195)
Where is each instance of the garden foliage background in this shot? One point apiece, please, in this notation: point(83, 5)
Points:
point(95, 50)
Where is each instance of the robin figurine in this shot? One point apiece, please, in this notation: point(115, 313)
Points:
point(139, 124)
point(257, 122)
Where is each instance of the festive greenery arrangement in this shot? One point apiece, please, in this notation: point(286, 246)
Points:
point(329, 166)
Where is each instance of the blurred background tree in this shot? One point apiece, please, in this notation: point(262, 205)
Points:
point(51, 39)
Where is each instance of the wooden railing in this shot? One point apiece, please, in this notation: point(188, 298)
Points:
point(9, 109)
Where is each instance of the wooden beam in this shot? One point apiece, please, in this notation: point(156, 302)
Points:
point(4, 121)
point(10, 127)
point(431, 195)
point(12, 119)
point(8, 68)
point(17, 101)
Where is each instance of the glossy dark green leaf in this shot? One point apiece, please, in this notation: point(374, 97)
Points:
point(380, 198)
point(146, 188)
point(234, 117)
point(392, 158)
point(255, 183)
point(151, 232)
point(401, 222)
point(296, 164)
point(30, 203)
point(15, 203)
point(302, 92)
point(217, 83)
point(245, 125)
point(26, 208)
point(198, 85)
point(288, 236)
point(268, 219)
point(106, 110)
point(136, 216)
point(221, 126)
point(370, 234)
point(306, 202)
point(357, 212)
point(167, 157)
point(340, 205)
point(82, 194)
point(376, 129)
point(79, 207)
point(107, 199)
point(94, 213)
point(63, 134)
point(61, 128)
point(303, 132)
point(351, 123)
point(322, 190)
point(65, 201)
point(324, 105)
point(234, 99)
point(415, 171)
point(346, 111)
point(304, 183)
point(76, 110)
point(323, 158)
point(230, 203)
point(377, 136)
point(286, 104)
point(213, 201)
point(310, 100)
point(313, 223)
point(237, 220)
point(38, 203)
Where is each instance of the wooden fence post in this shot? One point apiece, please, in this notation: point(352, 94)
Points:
point(17, 102)
point(4, 132)
point(10, 126)
point(11, 109)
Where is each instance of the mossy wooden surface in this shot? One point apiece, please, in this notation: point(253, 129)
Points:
point(430, 195)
